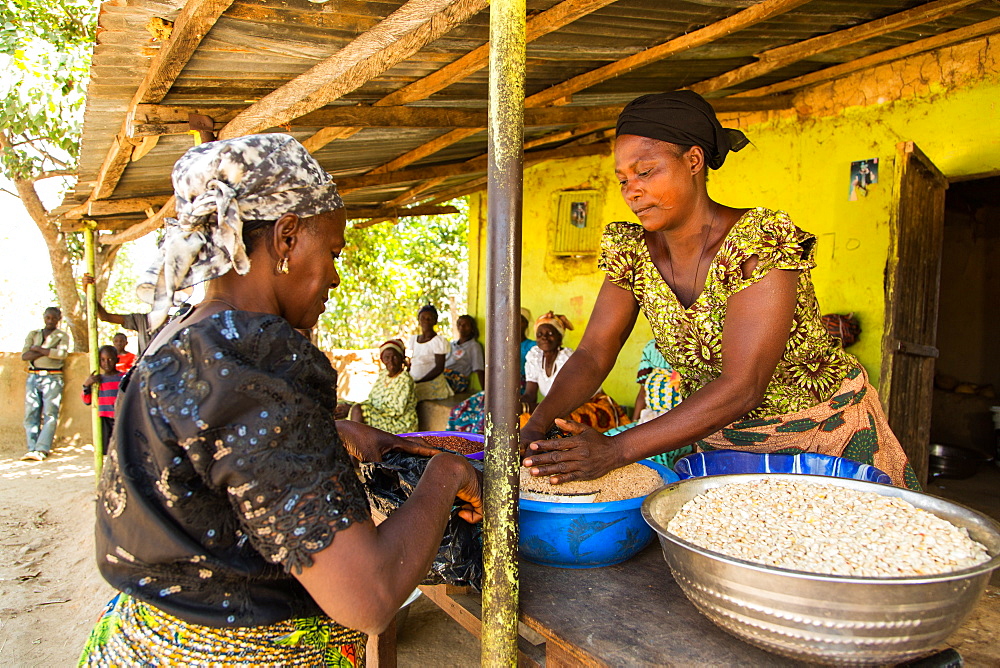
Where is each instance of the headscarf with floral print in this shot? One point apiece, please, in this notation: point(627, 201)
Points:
point(219, 185)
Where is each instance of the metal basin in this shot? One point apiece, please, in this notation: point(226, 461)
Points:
point(825, 618)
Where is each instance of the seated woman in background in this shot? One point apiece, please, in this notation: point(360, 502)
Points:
point(541, 367)
point(392, 404)
point(526, 343)
point(428, 351)
point(470, 414)
point(659, 391)
point(466, 356)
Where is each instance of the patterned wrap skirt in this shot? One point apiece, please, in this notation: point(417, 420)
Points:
point(133, 633)
point(851, 424)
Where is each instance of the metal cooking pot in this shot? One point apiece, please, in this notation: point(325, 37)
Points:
point(825, 618)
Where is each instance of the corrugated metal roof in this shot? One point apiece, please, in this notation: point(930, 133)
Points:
point(258, 46)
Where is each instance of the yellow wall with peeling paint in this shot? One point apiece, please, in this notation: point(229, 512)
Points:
point(800, 165)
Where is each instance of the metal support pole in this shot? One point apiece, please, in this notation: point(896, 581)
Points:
point(503, 238)
point(93, 355)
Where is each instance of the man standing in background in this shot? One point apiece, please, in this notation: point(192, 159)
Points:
point(45, 352)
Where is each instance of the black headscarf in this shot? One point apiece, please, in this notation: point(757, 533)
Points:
point(681, 117)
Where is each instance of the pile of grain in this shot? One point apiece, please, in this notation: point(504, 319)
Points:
point(822, 528)
point(457, 444)
point(628, 482)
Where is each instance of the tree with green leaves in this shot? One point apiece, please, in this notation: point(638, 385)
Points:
point(389, 271)
point(45, 50)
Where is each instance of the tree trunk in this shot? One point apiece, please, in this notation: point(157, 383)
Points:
point(67, 291)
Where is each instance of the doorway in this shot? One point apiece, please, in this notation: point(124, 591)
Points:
point(967, 376)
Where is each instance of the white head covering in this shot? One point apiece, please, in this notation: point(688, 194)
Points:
point(218, 185)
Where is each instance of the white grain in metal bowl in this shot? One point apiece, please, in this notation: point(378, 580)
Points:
point(825, 618)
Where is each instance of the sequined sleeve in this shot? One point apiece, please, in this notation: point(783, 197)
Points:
point(251, 402)
point(619, 248)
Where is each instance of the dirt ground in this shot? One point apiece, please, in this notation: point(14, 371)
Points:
point(51, 592)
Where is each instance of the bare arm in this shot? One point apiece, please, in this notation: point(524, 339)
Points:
point(367, 572)
point(610, 324)
point(758, 321)
point(530, 396)
point(113, 318)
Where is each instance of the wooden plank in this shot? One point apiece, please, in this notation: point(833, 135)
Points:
point(141, 229)
point(399, 36)
point(397, 212)
point(837, 71)
point(548, 21)
point(422, 151)
point(562, 92)
point(775, 59)
point(327, 135)
point(752, 15)
point(115, 207)
point(192, 24)
point(913, 273)
point(349, 183)
point(461, 190)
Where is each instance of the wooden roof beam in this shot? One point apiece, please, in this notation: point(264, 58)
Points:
point(476, 165)
point(359, 213)
point(783, 56)
point(115, 207)
point(762, 11)
point(929, 44)
point(562, 92)
point(190, 27)
point(548, 21)
point(400, 35)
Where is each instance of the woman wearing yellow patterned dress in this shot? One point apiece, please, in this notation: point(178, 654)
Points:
point(730, 299)
point(392, 404)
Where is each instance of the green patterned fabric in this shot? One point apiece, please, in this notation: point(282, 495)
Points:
point(392, 404)
point(813, 364)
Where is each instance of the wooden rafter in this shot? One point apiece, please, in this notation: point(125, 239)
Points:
point(546, 22)
point(359, 213)
point(400, 35)
point(349, 183)
point(775, 59)
point(761, 11)
point(115, 207)
point(750, 16)
point(929, 44)
point(192, 24)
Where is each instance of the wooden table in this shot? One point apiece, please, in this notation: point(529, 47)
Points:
point(634, 614)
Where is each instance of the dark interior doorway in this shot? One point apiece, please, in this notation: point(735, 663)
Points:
point(967, 375)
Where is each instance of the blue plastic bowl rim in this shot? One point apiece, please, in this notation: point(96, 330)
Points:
point(550, 507)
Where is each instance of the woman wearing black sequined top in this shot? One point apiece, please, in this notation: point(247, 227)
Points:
point(229, 515)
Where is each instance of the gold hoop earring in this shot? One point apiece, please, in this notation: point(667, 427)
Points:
point(283, 265)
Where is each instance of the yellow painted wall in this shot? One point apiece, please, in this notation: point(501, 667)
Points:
point(800, 165)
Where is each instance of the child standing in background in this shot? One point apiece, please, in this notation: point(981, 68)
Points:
point(107, 380)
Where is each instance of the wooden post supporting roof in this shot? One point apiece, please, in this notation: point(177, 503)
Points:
point(503, 306)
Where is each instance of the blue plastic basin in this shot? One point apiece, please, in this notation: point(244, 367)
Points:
point(723, 462)
point(586, 535)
